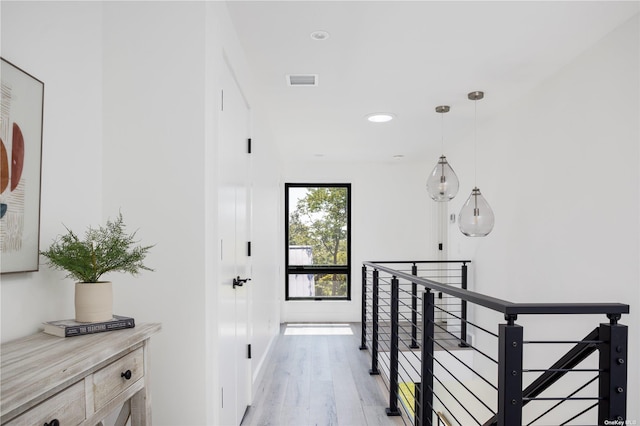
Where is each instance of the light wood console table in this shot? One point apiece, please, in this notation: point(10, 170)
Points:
point(54, 381)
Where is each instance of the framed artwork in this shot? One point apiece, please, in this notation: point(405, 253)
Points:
point(21, 108)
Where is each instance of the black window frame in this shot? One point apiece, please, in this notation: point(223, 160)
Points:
point(316, 269)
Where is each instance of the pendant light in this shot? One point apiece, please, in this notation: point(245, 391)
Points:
point(442, 184)
point(476, 218)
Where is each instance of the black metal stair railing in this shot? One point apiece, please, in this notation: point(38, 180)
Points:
point(415, 323)
point(452, 272)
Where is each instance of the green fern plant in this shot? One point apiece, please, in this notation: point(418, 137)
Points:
point(106, 249)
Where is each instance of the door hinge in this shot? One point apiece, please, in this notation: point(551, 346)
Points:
point(249, 146)
point(221, 100)
point(249, 351)
point(440, 246)
point(249, 248)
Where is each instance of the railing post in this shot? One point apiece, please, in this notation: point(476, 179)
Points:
point(363, 334)
point(374, 324)
point(510, 373)
point(414, 310)
point(463, 308)
point(393, 351)
point(612, 383)
point(426, 368)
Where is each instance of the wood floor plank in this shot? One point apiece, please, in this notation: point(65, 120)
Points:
point(376, 416)
point(298, 393)
point(348, 402)
point(295, 416)
point(322, 409)
point(320, 364)
point(319, 380)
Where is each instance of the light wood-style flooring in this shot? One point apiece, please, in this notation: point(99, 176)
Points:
point(316, 375)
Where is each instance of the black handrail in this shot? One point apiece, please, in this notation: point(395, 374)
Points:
point(504, 306)
point(609, 340)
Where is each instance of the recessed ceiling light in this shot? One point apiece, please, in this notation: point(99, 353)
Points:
point(319, 35)
point(380, 117)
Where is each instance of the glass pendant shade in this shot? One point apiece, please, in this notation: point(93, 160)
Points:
point(442, 184)
point(476, 218)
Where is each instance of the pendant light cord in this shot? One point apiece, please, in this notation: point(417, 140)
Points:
point(442, 133)
point(475, 144)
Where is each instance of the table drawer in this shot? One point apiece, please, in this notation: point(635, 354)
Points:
point(67, 406)
point(112, 379)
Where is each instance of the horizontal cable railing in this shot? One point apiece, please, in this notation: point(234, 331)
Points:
point(438, 364)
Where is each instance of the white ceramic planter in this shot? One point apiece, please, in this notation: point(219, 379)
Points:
point(94, 302)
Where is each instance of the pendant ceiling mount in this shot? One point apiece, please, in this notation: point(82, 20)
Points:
point(475, 96)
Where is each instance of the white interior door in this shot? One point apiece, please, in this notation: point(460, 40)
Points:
point(234, 366)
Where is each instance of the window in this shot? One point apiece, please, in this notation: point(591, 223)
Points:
point(318, 241)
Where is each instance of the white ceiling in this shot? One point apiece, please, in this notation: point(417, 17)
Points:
point(405, 58)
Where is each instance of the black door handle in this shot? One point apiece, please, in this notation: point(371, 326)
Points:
point(237, 282)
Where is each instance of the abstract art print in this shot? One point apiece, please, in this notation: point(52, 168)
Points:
point(21, 102)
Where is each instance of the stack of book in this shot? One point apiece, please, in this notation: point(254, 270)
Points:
point(69, 328)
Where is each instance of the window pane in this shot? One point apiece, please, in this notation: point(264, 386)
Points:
point(318, 225)
point(317, 241)
point(318, 285)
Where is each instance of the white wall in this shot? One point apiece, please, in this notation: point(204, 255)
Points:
point(154, 171)
point(391, 219)
point(164, 59)
point(131, 101)
point(560, 169)
point(59, 43)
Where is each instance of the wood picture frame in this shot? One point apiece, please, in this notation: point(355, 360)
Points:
point(21, 113)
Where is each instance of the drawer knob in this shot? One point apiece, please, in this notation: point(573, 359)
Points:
point(126, 375)
point(53, 422)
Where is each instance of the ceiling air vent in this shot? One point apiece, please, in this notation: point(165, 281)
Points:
point(302, 79)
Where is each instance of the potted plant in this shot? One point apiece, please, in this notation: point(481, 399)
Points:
point(103, 250)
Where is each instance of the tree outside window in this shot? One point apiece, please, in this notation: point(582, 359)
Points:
point(318, 255)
